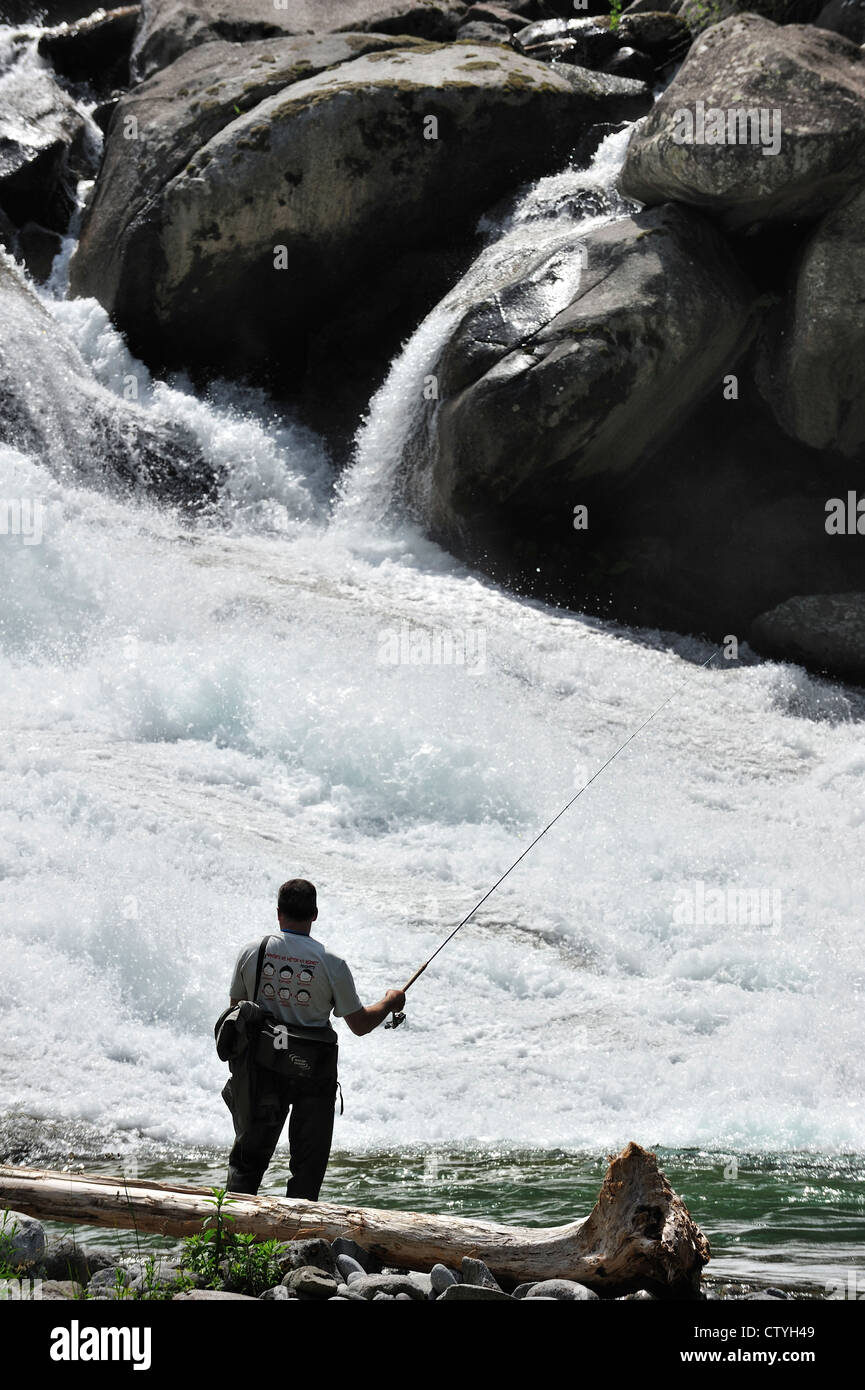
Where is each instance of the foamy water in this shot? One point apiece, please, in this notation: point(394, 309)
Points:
point(193, 714)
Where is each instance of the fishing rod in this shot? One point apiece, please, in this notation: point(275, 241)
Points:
point(399, 1018)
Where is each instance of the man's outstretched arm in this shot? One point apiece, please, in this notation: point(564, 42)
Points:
point(363, 1021)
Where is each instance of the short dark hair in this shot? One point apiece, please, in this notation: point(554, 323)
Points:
point(297, 900)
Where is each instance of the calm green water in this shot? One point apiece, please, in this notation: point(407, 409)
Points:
point(796, 1221)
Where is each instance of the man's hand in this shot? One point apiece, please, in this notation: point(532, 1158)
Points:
point(363, 1021)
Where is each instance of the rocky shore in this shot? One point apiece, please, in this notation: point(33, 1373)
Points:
point(285, 191)
point(300, 1270)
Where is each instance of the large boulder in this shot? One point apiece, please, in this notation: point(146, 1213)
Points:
point(723, 521)
point(727, 520)
point(45, 147)
point(171, 27)
point(825, 632)
point(811, 365)
point(157, 128)
point(760, 124)
point(51, 405)
point(558, 375)
point(230, 258)
point(702, 14)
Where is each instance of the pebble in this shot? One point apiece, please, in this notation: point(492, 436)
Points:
point(464, 1292)
point(65, 1259)
point(105, 1280)
point(209, 1295)
point(423, 1281)
point(322, 1276)
point(311, 1282)
point(441, 1278)
point(476, 1272)
point(371, 1284)
point(162, 1274)
point(57, 1289)
point(347, 1266)
point(304, 1254)
point(343, 1246)
point(562, 1288)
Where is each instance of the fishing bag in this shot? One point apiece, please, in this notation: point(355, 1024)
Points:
point(294, 1050)
point(298, 1052)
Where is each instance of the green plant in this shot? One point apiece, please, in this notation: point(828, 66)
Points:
point(616, 7)
point(205, 1252)
point(253, 1265)
point(156, 1288)
point(222, 1256)
point(8, 1270)
point(121, 1288)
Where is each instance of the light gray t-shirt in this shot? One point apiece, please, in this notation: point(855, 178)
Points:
point(301, 981)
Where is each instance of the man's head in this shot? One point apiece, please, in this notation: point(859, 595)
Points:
point(296, 905)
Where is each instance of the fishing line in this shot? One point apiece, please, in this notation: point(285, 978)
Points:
point(399, 1018)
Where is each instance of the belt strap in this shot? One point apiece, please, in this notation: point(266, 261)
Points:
point(259, 967)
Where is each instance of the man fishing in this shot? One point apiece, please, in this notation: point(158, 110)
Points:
point(290, 1063)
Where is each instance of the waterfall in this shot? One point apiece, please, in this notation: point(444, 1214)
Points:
point(541, 222)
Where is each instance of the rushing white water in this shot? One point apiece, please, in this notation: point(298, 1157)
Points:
point(538, 230)
point(192, 715)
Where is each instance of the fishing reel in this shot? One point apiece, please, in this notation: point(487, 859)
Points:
point(395, 1020)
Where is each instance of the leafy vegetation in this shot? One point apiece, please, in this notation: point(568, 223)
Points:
point(218, 1257)
point(8, 1270)
point(225, 1259)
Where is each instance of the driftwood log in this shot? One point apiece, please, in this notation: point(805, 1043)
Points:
point(638, 1236)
